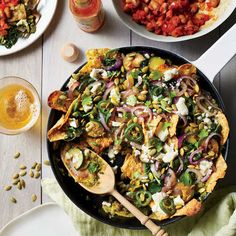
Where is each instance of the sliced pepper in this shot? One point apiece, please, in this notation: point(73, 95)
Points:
point(167, 205)
point(143, 198)
point(134, 133)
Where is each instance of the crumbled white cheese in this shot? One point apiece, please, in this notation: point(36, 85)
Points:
point(207, 121)
point(181, 107)
point(169, 74)
point(115, 169)
point(74, 123)
point(163, 134)
point(144, 155)
point(97, 73)
point(108, 204)
point(170, 153)
point(147, 55)
point(115, 96)
point(137, 152)
point(205, 166)
point(71, 82)
point(112, 152)
point(157, 197)
point(120, 115)
point(95, 87)
point(131, 100)
point(178, 201)
point(115, 124)
point(87, 108)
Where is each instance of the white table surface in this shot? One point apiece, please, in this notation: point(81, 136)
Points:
point(43, 66)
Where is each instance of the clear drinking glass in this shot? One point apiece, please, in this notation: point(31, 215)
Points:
point(19, 105)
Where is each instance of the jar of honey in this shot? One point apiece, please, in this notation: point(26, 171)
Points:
point(89, 14)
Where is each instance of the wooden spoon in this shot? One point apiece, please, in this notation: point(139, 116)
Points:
point(106, 185)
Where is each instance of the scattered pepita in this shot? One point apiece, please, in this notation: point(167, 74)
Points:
point(15, 176)
point(36, 175)
point(23, 173)
point(7, 188)
point(46, 162)
point(17, 155)
point(22, 183)
point(13, 200)
point(19, 186)
point(23, 167)
point(31, 174)
point(34, 165)
point(15, 182)
point(34, 197)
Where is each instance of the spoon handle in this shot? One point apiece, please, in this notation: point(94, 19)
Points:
point(156, 230)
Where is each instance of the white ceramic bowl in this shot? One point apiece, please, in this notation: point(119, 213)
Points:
point(224, 10)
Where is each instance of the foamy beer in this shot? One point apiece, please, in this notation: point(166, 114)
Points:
point(19, 105)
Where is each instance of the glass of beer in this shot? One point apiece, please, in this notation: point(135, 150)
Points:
point(19, 105)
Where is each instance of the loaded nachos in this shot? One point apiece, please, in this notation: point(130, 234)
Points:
point(152, 115)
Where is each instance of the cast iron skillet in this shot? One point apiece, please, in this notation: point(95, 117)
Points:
point(91, 204)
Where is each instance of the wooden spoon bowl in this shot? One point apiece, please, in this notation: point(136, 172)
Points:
point(106, 185)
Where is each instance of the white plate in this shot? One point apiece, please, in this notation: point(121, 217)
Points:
point(225, 10)
point(45, 220)
point(47, 9)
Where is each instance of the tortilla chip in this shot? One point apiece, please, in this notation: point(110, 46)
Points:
point(54, 101)
point(56, 132)
point(99, 144)
point(187, 69)
point(219, 173)
point(94, 59)
point(152, 125)
point(190, 209)
point(222, 120)
point(174, 119)
point(132, 165)
point(173, 140)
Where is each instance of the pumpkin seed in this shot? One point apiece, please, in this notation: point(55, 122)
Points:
point(144, 92)
point(34, 165)
point(38, 167)
point(13, 200)
point(23, 167)
point(22, 183)
point(135, 119)
point(46, 162)
point(178, 207)
point(36, 175)
point(17, 155)
point(15, 182)
point(156, 106)
point(62, 97)
point(23, 172)
point(97, 98)
point(7, 188)
point(142, 97)
point(150, 176)
point(201, 190)
point(154, 102)
point(31, 174)
point(152, 152)
point(181, 151)
point(19, 186)
point(33, 198)
point(15, 176)
point(116, 81)
point(144, 69)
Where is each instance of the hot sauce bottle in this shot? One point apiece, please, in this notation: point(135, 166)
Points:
point(89, 14)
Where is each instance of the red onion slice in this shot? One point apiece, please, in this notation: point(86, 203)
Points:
point(181, 166)
point(200, 149)
point(205, 145)
point(206, 177)
point(102, 119)
point(169, 181)
point(72, 88)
